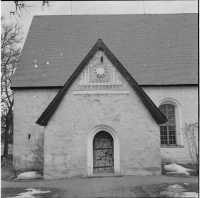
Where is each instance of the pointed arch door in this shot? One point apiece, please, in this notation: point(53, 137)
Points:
point(103, 153)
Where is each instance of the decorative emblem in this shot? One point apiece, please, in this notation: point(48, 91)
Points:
point(100, 71)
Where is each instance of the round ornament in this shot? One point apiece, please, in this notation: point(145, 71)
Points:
point(100, 71)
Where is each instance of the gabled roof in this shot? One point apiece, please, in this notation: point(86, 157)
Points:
point(49, 111)
point(155, 49)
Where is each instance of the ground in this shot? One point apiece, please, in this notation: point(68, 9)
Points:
point(126, 186)
point(12, 192)
point(159, 190)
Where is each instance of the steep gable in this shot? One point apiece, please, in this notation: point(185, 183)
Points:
point(49, 111)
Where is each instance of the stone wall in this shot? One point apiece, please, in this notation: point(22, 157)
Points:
point(77, 115)
point(187, 99)
point(66, 135)
point(28, 136)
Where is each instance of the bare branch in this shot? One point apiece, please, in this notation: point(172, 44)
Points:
point(21, 6)
point(191, 134)
point(11, 36)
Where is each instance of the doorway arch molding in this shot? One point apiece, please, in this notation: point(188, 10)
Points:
point(114, 135)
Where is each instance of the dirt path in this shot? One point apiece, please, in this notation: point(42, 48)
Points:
point(100, 187)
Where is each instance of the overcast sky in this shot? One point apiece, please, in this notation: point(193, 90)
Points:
point(98, 7)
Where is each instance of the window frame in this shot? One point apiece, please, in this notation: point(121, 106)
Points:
point(168, 124)
point(178, 118)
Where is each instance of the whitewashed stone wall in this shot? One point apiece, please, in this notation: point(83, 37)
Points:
point(28, 106)
point(66, 135)
point(67, 132)
point(187, 98)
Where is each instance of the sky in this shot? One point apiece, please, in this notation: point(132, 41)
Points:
point(96, 7)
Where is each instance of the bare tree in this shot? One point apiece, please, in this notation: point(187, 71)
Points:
point(191, 133)
point(11, 36)
point(21, 6)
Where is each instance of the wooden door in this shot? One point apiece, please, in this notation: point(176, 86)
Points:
point(103, 153)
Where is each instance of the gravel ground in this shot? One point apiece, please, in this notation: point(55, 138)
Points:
point(97, 187)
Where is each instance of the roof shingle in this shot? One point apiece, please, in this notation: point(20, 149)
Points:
point(154, 49)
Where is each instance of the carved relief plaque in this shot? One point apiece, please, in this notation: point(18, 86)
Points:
point(100, 71)
point(100, 77)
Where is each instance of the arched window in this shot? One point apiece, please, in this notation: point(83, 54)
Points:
point(168, 129)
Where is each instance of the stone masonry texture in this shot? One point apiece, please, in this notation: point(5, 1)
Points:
point(65, 139)
point(29, 104)
point(60, 148)
point(187, 98)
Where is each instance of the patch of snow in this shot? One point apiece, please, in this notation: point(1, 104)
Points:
point(175, 186)
point(190, 194)
point(35, 65)
point(12, 177)
point(30, 193)
point(178, 191)
point(29, 175)
point(186, 183)
point(47, 63)
point(175, 168)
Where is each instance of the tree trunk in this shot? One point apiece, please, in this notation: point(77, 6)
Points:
point(8, 126)
point(5, 153)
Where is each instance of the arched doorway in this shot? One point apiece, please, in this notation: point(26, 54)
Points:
point(90, 150)
point(103, 153)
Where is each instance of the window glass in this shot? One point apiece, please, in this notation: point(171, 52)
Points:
point(168, 129)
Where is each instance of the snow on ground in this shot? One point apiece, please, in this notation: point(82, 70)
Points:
point(29, 175)
point(178, 191)
point(190, 194)
point(30, 193)
point(175, 168)
point(175, 187)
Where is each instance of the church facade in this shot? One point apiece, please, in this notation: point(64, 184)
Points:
point(93, 109)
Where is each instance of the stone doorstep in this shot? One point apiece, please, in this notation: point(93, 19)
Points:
point(101, 175)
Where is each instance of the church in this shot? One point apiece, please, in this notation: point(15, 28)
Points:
point(98, 95)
